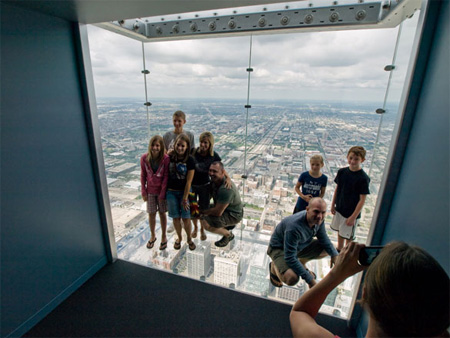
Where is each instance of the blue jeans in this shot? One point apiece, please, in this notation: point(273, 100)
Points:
point(175, 204)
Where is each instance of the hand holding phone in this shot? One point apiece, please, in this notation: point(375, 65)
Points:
point(368, 254)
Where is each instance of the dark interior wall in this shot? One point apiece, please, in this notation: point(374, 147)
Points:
point(420, 209)
point(51, 233)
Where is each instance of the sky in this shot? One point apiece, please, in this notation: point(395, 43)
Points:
point(337, 66)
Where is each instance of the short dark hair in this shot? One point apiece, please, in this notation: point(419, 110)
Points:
point(219, 163)
point(407, 292)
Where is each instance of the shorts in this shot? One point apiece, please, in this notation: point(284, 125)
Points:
point(227, 219)
point(155, 204)
point(312, 251)
point(174, 204)
point(345, 231)
point(202, 191)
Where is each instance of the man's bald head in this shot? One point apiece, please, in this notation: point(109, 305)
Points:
point(316, 211)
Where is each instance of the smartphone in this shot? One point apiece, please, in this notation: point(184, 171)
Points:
point(368, 254)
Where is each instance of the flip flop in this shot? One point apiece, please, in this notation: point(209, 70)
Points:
point(177, 245)
point(163, 245)
point(191, 246)
point(274, 278)
point(203, 237)
point(194, 234)
point(150, 244)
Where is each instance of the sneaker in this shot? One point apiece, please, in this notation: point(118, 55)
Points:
point(225, 240)
point(170, 229)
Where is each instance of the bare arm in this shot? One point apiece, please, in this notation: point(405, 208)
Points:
point(307, 306)
point(322, 192)
point(299, 192)
point(227, 179)
point(333, 202)
point(351, 220)
point(187, 188)
point(217, 210)
point(143, 180)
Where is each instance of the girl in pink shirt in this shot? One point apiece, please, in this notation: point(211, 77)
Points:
point(154, 176)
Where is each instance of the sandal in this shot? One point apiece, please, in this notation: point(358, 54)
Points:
point(203, 236)
point(177, 245)
point(192, 246)
point(150, 244)
point(274, 278)
point(163, 245)
point(194, 234)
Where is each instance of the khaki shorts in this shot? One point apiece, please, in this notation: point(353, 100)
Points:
point(223, 221)
point(312, 251)
point(345, 231)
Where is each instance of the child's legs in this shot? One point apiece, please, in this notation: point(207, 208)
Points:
point(162, 209)
point(348, 241)
point(177, 226)
point(163, 219)
point(152, 223)
point(187, 228)
point(340, 244)
point(174, 206)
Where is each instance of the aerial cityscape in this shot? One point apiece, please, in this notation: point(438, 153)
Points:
point(281, 137)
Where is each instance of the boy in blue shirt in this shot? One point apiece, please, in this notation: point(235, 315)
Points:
point(313, 184)
point(349, 196)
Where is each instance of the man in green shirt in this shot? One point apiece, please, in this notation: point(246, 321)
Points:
point(228, 209)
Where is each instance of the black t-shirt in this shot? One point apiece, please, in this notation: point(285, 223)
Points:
point(178, 173)
point(202, 164)
point(351, 184)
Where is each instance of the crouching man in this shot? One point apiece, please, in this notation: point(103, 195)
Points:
point(227, 210)
point(292, 245)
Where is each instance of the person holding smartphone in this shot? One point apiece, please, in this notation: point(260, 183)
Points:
point(396, 294)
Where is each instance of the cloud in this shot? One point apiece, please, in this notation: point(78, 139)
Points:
point(342, 64)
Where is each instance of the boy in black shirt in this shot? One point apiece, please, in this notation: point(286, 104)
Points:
point(349, 196)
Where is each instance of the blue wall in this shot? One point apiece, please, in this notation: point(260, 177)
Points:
point(419, 212)
point(51, 230)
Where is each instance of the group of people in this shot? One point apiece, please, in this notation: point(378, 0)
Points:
point(175, 175)
point(395, 292)
point(292, 243)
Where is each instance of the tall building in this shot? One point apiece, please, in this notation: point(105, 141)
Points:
point(290, 293)
point(257, 276)
point(227, 268)
point(199, 260)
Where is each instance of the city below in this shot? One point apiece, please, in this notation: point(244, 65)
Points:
point(281, 138)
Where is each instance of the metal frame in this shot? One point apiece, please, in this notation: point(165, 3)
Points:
point(93, 128)
point(309, 17)
point(377, 15)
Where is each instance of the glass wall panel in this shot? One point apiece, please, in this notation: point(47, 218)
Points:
point(310, 93)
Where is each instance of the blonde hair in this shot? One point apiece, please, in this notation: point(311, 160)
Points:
point(316, 158)
point(180, 114)
point(174, 154)
point(208, 136)
point(162, 151)
point(358, 151)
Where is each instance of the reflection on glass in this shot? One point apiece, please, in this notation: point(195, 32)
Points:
point(321, 106)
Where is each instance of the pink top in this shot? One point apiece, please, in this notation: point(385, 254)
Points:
point(154, 183)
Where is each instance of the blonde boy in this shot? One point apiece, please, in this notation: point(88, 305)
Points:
point(349, 197)
point(179, 120)
point(312, 183)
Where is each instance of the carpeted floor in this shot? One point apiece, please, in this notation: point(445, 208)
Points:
point(128, 300)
